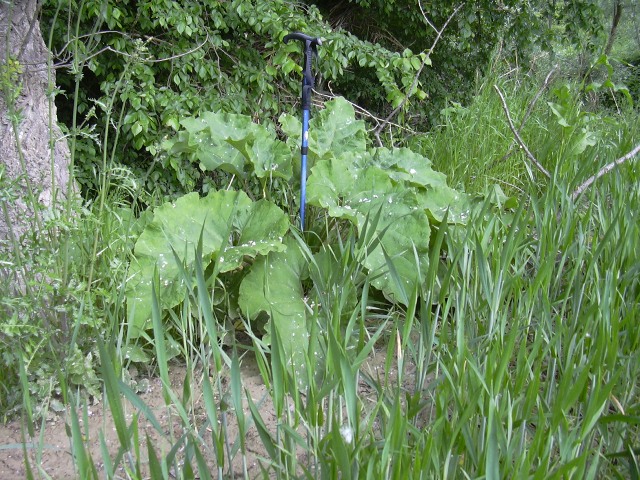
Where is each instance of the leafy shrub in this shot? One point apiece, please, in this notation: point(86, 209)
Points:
point(391, 196)
point(159, 62)
point(155, 63)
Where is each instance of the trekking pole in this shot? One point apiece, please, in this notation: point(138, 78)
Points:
point(310, 48)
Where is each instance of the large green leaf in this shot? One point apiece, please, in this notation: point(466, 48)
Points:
point(332, 131)
point(335, 133)
point(261, 230)
point(414, 171)
point(398, 194)
point(402, 257)
point(224, 218)
point(335, 130)
point(403, 165)
point(274, 286)
point(232, 143)
point(211, 151)
point(345, 190)
point(371, 199)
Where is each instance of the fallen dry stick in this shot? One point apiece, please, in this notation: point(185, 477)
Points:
point(530, 156)
point(604, 170)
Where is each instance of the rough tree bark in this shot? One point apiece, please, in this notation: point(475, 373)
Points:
point(36, 160)
point(617, 14)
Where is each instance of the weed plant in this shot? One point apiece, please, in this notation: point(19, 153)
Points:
point(517, 356)
point(518, 359)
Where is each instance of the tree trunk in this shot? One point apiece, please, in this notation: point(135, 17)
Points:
point(33, 152)
point(617, 14)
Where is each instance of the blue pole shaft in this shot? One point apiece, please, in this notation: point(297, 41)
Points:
point(303, 165)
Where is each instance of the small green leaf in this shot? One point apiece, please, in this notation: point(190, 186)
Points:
point(135, 353)
point(288, 66)
point(557, 111)
point(172, 122)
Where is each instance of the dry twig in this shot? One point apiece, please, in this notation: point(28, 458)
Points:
point(584, 186)
point(66, 63)
point(603, 171)
point(527, 114)
point(414, 84)
point(530, 156)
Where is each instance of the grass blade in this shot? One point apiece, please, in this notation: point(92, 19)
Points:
point(154, 463)
point(113, 396)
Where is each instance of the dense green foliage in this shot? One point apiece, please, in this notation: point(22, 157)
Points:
point(475, 32)
point(449, 312)
point(162, 61)
point(154, 63)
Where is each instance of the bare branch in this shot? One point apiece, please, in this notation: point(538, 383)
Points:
point(527, 114)
point(414, 84)
point(129, 55)
point(91, 35)
point(533, 159)
point(603, 171)
point(426, 19)
point(156, 60)
point(378, 121)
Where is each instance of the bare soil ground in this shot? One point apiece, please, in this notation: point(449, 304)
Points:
point(56, 461)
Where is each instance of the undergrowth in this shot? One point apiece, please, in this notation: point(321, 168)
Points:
point(513, 353)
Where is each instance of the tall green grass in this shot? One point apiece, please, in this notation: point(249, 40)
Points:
point(518, 357)
point(520, 360)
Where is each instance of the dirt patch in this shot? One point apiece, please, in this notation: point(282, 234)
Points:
point(49, 452)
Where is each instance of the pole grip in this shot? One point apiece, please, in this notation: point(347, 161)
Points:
point(302, 37)
point(308, 58)
point(310, 45)
point(306, 97)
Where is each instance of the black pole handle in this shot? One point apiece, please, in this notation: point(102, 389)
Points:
point(310, 47)
point(303, 37)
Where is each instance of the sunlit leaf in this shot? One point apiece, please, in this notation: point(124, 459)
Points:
point(221, 217)
point(274, 286)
